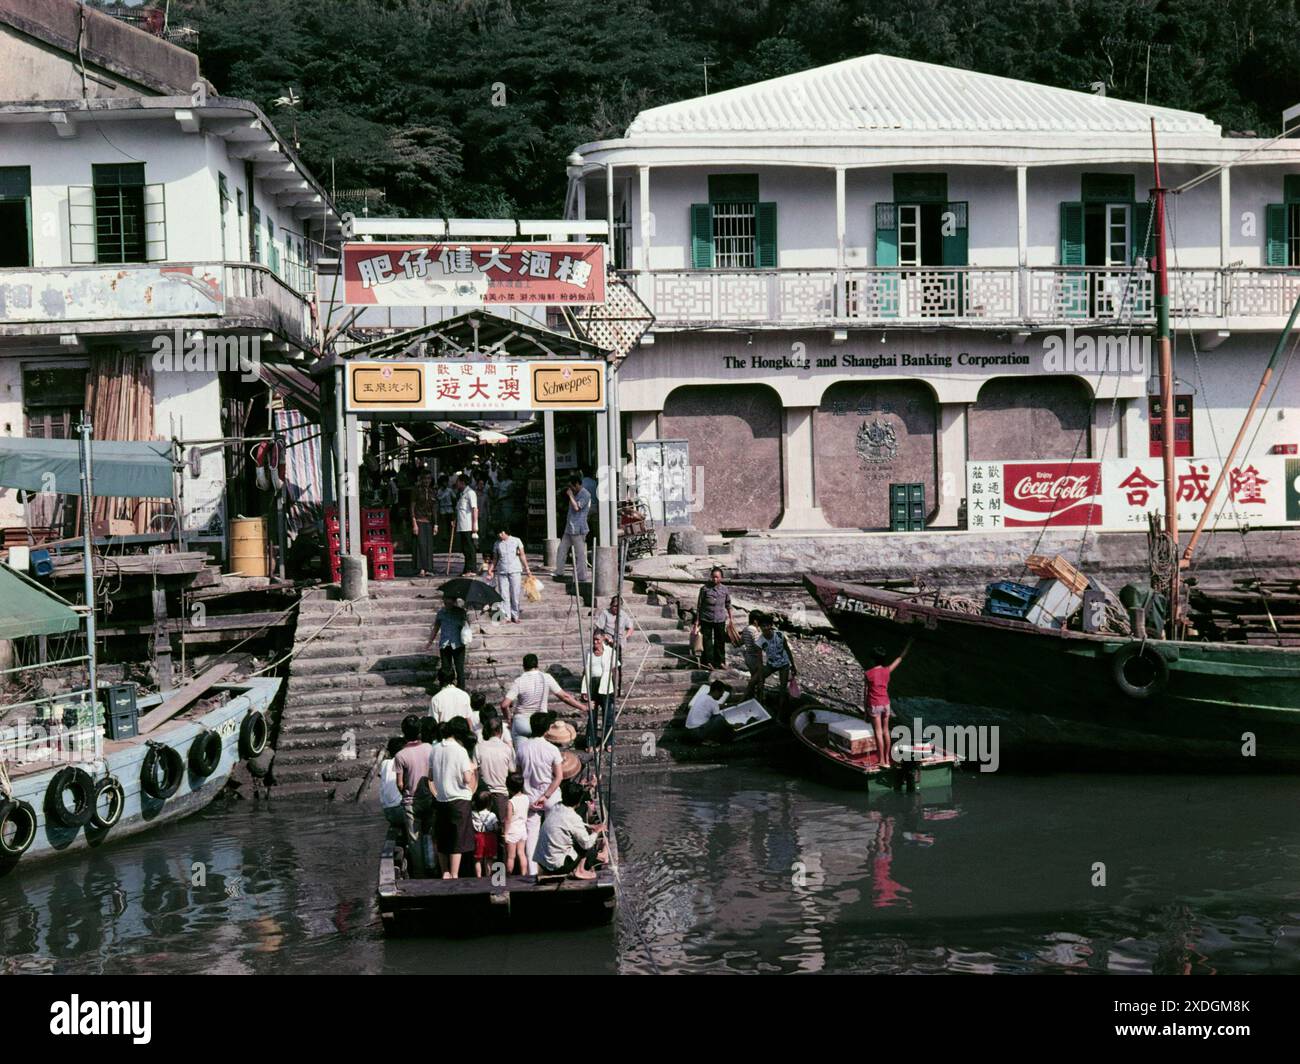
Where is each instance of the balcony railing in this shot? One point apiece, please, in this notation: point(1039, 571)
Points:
point(110, 298)
point(974, 295)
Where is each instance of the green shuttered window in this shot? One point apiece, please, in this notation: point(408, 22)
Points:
point(734, 230)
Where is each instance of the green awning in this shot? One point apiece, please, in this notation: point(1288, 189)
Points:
point(26, 608)
point(128, 469)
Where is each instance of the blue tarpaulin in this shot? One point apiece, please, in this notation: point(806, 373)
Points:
point(119, 469)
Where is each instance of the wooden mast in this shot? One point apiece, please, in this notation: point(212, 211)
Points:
point(1165, 354)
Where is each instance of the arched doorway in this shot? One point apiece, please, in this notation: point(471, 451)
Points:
point(734, 432)
point(866, 437)
point(1031, 417)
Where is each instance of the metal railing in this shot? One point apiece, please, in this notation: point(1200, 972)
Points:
point(263, 294)
point(959, 294)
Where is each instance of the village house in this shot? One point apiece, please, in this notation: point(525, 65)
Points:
point(152, 233)
point(872, 273)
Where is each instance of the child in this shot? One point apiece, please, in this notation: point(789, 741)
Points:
point(776, 651)
point(876, 696)
point(477, 703)
point(751, 646)
point(516, 830)
point(485, 832)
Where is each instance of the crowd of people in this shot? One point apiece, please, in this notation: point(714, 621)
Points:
point(473, 787)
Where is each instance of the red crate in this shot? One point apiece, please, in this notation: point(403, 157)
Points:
point(374, 519)
point(332, 524)
point(380, 552)
point(380, 570)
point(375, 535)
point(332, 513)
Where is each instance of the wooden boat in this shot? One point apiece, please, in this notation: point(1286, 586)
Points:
point(1054, 689)
point(186, 779)
point(471, 902)
point(812, 728)
point(1163, 699)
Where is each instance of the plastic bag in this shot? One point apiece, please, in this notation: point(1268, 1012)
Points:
point(793, 689)
point(697, 642)
point(533, 589)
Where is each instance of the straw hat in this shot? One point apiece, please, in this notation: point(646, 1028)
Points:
point(561, 733)
point(570, 765)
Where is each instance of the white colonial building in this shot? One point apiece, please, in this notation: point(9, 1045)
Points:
point(875, 271)
point(150, 230)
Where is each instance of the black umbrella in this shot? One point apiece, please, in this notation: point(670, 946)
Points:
point(476, 593)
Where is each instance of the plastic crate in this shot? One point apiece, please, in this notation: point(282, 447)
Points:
point(381, 570)
point(994, 608)
point(375, 535)
point(1011, 592)
point(374, 519)
point(380, 552)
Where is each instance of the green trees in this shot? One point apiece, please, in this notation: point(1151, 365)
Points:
point(468, 107)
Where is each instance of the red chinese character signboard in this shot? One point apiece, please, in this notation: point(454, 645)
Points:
point(1050, 494)
point(472, 274)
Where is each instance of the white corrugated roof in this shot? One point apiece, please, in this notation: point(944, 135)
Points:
point(883, 93)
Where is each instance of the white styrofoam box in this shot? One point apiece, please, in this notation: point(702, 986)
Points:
point(852, 730)
point(20, 558)
point(1055, 603)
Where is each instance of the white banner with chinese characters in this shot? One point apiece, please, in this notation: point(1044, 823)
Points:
point(1116, 495)
point(452, 387)
point(472, 275)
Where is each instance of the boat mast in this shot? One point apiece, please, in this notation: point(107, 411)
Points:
point(1165, 353)
point(88, 570)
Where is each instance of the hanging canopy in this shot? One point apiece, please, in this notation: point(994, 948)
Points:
point(26, 608)
point(121, 469)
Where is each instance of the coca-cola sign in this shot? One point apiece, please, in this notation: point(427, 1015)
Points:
point(1037, 494)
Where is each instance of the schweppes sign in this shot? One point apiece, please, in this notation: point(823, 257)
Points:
point(568, 386)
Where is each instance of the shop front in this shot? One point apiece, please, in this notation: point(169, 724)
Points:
point(796, 432)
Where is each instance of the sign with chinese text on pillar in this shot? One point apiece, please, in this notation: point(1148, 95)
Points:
point(472, 275)
point(451, 387)
point(1117, 494)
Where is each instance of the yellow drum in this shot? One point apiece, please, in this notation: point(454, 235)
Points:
point(250, 554)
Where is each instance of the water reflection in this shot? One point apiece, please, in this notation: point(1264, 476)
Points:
point(745, 869)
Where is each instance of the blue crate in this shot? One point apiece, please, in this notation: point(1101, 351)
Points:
point(1008, 591)
point(994, 608)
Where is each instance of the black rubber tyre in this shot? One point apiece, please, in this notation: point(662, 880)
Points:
point(110, 787)
point(253, 734)
point(173, 771)
point(1140, 671)
point(22, 818)
point(205, 753)
point(82, 787)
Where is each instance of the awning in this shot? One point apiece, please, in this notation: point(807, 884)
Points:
point(26, 608)
point(124, 469)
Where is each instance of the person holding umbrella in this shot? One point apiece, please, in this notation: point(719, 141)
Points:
point(449, 628)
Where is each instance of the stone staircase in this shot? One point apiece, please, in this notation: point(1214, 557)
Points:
point(352, 681)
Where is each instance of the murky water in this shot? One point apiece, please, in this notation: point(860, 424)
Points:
point(742, 869)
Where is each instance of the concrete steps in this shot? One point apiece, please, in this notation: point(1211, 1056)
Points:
point(360, 668)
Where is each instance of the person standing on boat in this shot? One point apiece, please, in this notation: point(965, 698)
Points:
point(449, 637)
point(411, 766)
point(454, 780)
point(875, 696)
point(712, 617)
point(541, 764)
point(424, 521)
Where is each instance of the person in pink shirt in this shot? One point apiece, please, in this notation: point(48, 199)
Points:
point(875, 696)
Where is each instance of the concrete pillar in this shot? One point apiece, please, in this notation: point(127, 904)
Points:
point(953, 428)
point(552, 545)
point(603, 503)
point(647, 219)
point(1022, 238)
point(799, 509)
point(1225, 217)
point(353, 583)
point(604, 573)
point(351, 505)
